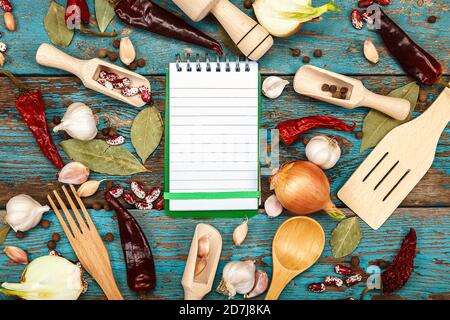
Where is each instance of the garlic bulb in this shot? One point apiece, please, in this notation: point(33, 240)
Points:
point(323, 151)
point(48, 278)
point(273, 87)
point(79, 122)
point(23, 212)
point(73, 173)
point(237, 277)
point(240, 233)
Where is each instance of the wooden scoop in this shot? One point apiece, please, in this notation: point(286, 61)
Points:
point(197, 286)
point(88, 71)
point(309, 80)
point(297, 245)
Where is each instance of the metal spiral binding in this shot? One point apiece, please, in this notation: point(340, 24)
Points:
point(198, 66)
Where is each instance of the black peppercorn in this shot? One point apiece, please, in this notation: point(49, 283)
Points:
point(296, 52)
point(317, 53)
point(432, 19)
point(306, 59)
point(51, 245)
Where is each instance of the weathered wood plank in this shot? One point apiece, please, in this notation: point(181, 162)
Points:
point(340, 42)
point(24, 169)
point(170, 240)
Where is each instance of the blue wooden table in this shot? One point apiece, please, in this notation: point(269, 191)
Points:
point(24, 169)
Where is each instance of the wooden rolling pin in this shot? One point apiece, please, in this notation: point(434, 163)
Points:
point(250, 37)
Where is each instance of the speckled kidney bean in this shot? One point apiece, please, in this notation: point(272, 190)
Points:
point(333, 281)
point(128, 197)
point(115, 140)
point(341, 269)
point(107, 84)
point(352, 280)
point(143, 205)
point(316, 287)
point(357, 20)
point(121, 83)
point(159, 204)
point(130, 91)
point(153, 195)
point(116, 191)
point(138, 189)
point(145, 94)
point(110, 76)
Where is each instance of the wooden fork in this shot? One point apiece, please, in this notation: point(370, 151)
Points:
point(86, 243)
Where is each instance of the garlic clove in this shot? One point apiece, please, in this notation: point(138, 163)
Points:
point(273, 86)
point(240, 233)
point(2, 59)
point(200, 265)
point(23, 212)
point(323, 151)
point(272, 206)
point(370, 51)
point(78, 122)
point(73, 173)
point(261, 284)
point(127, 53)
point(16, 254)
point(203, 246)
point(88, 188)
point(237, 277)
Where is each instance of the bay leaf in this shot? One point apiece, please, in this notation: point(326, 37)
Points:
point(55, 25)
point(4, 232)
point(345, 237)
point(100, 157)
point(376, 124)
point(104, 13)
point(146, 132)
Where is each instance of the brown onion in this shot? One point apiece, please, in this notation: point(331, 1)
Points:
point(303, 188)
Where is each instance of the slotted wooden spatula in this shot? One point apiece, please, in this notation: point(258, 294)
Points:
point(396, 165)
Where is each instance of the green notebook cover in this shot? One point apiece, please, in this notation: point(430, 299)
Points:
point(205, 195)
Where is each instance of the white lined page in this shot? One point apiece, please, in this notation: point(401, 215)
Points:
point(213, 147)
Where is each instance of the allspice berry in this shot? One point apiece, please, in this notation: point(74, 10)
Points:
point(112, 56)
point(432, 19)
point(141, 63)
point(248, 4)
point(51, 245)
point(306, 59)
point(358, 134)
point(20, 234)
point(296, 52)
point(116, 43)
point(102, 53)
point(317, 53)
point(133, 66)
point(109, 237)
point(105, 131)
point(45, 223)
point(112, 132)
point(56, 236)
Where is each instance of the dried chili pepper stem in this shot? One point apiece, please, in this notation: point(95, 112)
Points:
point(14, 80)
point(97, 33)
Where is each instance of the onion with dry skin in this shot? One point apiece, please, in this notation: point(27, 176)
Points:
point(303, 188)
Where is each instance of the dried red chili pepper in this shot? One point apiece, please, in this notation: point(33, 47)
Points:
point(6, 5)
point(398, 273)
point(30, 105)
point(145, 14)
point(139, 262)
point(292, 129)
point(414, 60)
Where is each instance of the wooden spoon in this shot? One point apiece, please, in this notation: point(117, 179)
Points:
point(297, 245)
point(88, 72)
point(197, 286)
point(309, 80)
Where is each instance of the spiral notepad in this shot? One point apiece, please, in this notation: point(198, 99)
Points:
point(212, 138)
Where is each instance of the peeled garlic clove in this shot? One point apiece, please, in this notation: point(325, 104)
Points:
point(261, 284)
point(273, 87)
point(237, 277)
point(73, 173)
point(88, 188)
point(203, 246)
point(370, 51)
point(23, 212)
point(16, 254)
point(200, 265)
point(127, 53)
point(240, 233)
point(272, 206)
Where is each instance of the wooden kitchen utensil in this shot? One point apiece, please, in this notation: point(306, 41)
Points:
point(396, 165)
point(88, 71)
point(197, 286)
point(250, 37)
point(86, 242)
point(309, 80)
point(297, 245)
